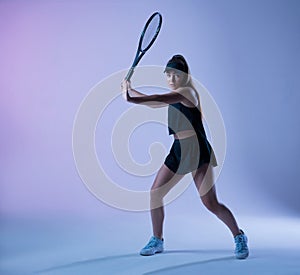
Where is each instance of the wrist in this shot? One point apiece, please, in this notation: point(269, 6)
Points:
point(129, 98)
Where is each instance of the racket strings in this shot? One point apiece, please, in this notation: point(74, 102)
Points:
point(150, 32)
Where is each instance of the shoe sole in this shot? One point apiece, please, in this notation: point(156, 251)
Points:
point(242, 257)
point(152, 254)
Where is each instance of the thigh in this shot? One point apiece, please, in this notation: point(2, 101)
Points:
point(165, 179)
point(204, 179)
point(165, 176)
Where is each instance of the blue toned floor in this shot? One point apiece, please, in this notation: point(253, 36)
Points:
point(40, 247)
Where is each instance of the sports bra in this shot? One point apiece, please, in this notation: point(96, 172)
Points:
point(181, 118)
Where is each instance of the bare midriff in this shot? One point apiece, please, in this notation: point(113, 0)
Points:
point(184, 134)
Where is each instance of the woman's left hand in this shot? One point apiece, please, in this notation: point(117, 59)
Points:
point(125, 86)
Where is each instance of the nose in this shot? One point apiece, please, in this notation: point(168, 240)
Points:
point(172, 78)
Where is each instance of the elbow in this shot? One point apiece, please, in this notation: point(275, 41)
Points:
point(154, 106)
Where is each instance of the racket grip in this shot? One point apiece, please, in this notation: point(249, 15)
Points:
point(129, 74)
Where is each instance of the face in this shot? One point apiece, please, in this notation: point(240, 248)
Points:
point(175, 79)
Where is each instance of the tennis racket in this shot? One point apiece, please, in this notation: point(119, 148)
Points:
point(148, 36)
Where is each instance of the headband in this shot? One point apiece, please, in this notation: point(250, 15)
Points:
point(172, 64)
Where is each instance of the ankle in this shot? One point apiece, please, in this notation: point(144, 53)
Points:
point(158, 237)
point(240, 232)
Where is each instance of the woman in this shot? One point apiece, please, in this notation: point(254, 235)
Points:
point(190, 152)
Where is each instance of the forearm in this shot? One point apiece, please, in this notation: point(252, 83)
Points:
point(135, 93)
point(153, 101)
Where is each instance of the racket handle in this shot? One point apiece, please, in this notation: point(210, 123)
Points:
point(129, 74)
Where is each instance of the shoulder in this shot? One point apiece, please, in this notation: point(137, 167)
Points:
point(190, 96)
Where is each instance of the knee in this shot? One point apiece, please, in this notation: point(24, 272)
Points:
point(158, 191)
point(156, 197)
point(212, 205)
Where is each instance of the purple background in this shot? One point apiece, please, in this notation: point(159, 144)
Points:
point(53, 52)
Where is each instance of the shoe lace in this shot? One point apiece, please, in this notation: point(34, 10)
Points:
point(152, 243)
point(240, 243)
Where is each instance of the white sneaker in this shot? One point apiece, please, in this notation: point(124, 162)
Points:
point(241, 248)
point(155, 245)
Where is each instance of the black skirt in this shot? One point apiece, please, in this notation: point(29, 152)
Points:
point(188, 154)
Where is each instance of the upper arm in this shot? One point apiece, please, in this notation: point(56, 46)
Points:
point(171, 97)
point(185, 95)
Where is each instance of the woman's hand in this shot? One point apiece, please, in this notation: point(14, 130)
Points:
point(125, 87)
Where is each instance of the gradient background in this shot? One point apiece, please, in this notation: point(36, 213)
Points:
point(246, 53)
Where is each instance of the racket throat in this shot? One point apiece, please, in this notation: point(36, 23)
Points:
point(129, 74)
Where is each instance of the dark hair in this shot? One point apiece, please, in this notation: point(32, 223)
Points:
point(177, 62)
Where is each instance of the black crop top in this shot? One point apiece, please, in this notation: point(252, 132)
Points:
point(182, 118)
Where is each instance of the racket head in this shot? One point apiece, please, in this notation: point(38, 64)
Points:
point(147, 38)
point(150, 32)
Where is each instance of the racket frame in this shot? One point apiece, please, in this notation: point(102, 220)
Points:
point(140, 52)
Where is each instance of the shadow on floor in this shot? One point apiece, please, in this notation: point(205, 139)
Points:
point(182, 268)
point(136, 256)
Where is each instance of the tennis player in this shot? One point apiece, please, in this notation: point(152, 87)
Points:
point(190, 153)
